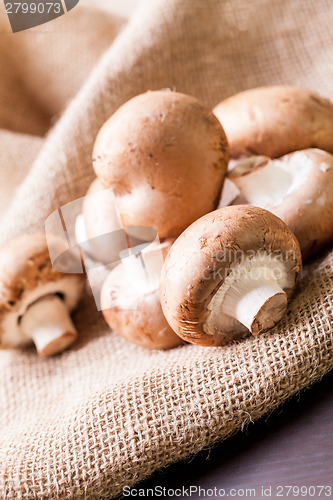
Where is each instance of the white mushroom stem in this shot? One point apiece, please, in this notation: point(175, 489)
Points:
point(47, 322)
point(143, 265)
point(264, 185)
point(253, 297)
point(263, 182)
point(256, 303)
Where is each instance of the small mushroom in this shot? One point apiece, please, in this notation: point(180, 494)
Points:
point(274, 121)
point(297, 188)
point(36, 299)
point(231, 271)
point(130, 299)
point(165, 156)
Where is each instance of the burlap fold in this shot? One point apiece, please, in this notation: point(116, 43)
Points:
point(106, 413)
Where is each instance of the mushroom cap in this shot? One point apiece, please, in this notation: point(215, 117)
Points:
point(138, 316)
point(27, 275)
point(308, 208)
point(274, 121)
point(201, 259)
point(165, 155)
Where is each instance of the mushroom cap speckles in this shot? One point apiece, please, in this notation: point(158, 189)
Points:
point(201, 258)
point(165, 155)
point(274, 121)
point(26, 275)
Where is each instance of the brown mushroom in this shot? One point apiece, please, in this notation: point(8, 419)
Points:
point(274, 121)
point(35, 298)
point(231, 271)
point(130, 299)
point(165, 156)
point(297, 188)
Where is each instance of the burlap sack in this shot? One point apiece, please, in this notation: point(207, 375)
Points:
point(106, 413)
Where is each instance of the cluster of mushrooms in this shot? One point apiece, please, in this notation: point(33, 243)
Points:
point(200, 217)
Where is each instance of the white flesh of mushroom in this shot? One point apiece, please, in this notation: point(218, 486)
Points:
point(81, 234)
point(229, 193)
point(104, 246)
point(270, 183)
point(143, 265)
point(107, 244)
point(13, 333)
point(252, 293)
point(47, 322)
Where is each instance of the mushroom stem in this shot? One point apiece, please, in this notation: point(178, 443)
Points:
point(266, 184)
point(47, 322)
point(256, 302)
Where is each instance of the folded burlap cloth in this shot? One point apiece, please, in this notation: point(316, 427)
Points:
point(106, 413)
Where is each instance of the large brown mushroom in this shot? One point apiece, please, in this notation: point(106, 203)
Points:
point(231, 271)
point(297, 188)
point(274, 121)
point(165, 156)
point(35, 298)
point(130, 298)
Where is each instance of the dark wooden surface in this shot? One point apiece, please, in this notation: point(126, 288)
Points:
point(293, 446)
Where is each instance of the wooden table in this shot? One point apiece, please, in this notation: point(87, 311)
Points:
point(291, 447)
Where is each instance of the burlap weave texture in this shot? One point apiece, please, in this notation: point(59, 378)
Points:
point(106, 413)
